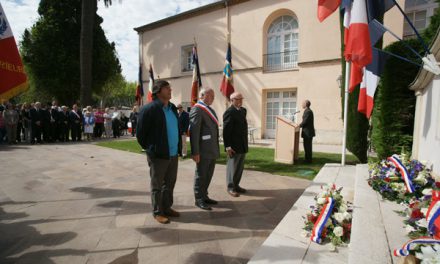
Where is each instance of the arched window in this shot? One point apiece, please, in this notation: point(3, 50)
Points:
point(282, 44)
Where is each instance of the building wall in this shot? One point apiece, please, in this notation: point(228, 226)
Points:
point(315, 78)
point(426, 144)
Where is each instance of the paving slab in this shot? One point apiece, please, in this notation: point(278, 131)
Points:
point(81, 203)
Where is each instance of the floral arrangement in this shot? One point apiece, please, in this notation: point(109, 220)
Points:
point(400, 179)
point(336, 229)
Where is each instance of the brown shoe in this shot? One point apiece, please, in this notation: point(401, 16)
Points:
point(162, 219)
point(172, 213)
point(233, 193)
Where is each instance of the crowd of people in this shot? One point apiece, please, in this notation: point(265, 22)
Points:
point(47, 123)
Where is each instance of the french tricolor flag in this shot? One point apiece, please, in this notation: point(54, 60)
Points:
point(358, 45)
point(150, 84)
point(372, 73)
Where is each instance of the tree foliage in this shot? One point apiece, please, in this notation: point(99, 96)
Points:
point(50, 51)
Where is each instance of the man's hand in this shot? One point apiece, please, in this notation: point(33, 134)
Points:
point(231, 152)
point(196, 158)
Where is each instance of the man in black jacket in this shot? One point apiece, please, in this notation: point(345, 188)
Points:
point(183, 129)
point(158, 133)
point(36, 115)
point(235, 137)
point(308, 130)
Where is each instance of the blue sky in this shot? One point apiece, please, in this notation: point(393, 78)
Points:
point(119, 21)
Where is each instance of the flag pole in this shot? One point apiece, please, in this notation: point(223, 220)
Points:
point(344, 133)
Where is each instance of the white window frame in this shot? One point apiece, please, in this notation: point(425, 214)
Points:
point(186, 58)
point(288, 53)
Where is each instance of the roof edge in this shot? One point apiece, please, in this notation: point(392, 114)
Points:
point(424, 77)
point(187, 14)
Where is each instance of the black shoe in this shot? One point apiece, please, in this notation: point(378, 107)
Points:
point(210, 201)
point(202, 205)
point(240, 190)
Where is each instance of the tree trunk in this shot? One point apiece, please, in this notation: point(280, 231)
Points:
point(89, 8)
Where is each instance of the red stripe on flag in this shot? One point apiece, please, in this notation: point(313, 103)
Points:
point(358, 49)
point(326, 8)
point(362, 102)
point(226, 87)
point(356, 74)
point(194, 92)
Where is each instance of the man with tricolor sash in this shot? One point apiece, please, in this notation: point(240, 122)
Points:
point(204, 146)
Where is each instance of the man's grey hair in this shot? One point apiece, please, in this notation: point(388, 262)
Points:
point(203, 91)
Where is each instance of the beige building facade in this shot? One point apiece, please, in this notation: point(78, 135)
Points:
point(281, 55)
point(426, 136)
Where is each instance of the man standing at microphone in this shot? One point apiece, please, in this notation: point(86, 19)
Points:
point(308, 130)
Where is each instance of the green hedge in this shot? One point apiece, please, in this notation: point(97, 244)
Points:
point(394, 104)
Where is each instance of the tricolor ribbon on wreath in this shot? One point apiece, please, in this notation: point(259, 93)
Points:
point(432, 217)
point(403, 171)
point(322, 220)
point(404, 251)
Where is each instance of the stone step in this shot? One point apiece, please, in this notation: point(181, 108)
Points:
point(376, 229)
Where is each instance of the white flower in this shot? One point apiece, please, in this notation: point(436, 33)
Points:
point(422, 223)
point(343, 208)
point(347, 216)
point(427, 191)
point(338, 231)
point(430, 254)
point(321, 200)
point(409, 228)
point(324, 194)
point(424, 211)
point(339, 217)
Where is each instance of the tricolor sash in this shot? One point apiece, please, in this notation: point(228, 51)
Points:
point(404, 251)
point(322, 220)
point(432, 215)
point(404, 172)
point(208, 111)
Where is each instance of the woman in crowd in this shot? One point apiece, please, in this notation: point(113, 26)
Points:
point(11, 121)
point(89, 123)
point(133, 120)
point(108, 123)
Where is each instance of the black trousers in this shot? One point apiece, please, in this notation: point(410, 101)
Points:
point(307, 141)
point(36, 133)
point(163, 175)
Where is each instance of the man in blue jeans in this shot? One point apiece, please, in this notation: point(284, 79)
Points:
point(158, 133)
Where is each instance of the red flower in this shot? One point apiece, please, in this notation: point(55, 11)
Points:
point(437, 184)
point(312, 218)
point(387, 179)
point(416, 214)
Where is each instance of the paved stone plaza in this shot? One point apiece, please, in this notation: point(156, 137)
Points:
point(80, 203)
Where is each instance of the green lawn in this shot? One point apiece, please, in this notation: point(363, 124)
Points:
point(259, 159)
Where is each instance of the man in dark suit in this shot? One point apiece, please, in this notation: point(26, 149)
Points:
point(75, 120)
point(308, 130)
point(183, 128)
point(36, 115)
point(204, 146)
point(235, 137)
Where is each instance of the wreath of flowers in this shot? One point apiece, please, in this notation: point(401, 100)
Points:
point(337, 228)
point(387, 179)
